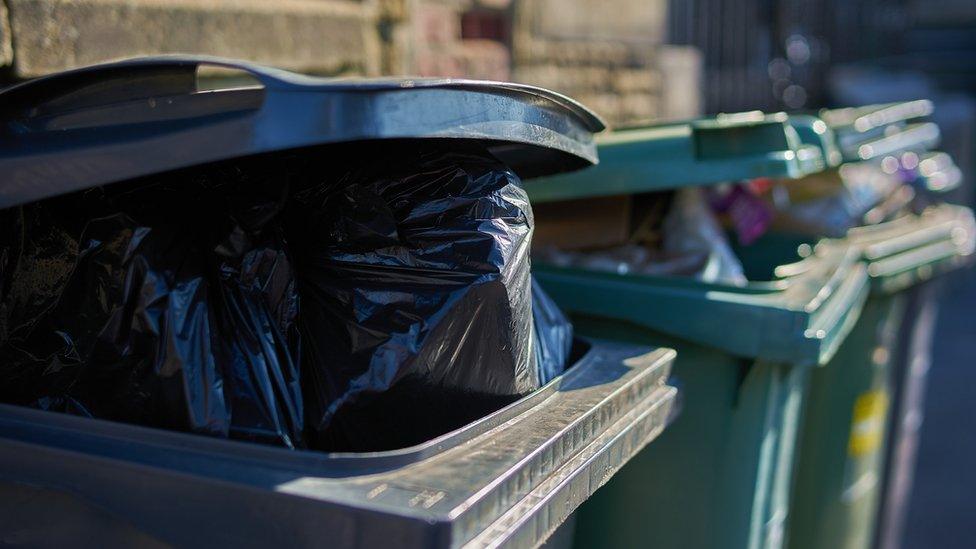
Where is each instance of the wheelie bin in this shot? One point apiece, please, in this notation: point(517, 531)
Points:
point(509, 478)
point(856, 413)
point(721, 475)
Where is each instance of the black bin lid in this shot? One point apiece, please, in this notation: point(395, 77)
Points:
point(112, 122)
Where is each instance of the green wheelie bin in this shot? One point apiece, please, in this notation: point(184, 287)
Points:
point(937, 174)
point(854, 407)
point(721, 475)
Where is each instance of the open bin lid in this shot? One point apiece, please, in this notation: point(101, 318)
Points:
point(814, 131)
point(916, 137)
point(684, 154)
point(915, 247)
point(867, 118)
point(870, 131)
point(937, 172)
point(117, 121)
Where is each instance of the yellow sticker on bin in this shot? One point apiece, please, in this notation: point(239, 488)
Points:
point(868, 423)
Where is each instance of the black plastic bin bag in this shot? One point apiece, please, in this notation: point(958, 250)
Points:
point(416, 311)
point(168, 306)
point(333, 302)
point(553, 335)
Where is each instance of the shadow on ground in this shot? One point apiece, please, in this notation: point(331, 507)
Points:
point(942, 508)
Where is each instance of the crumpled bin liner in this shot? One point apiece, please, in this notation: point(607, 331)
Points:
point(178, 320)
point(284, 300)
point(414, 270)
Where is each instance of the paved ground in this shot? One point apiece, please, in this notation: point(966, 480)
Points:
point(942, 512)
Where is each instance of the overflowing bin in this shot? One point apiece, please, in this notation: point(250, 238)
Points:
point(747, 339)
point(857, 411)
point(324, 285)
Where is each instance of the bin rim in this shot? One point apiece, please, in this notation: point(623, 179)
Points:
point(517, 478)
point(914, 248)
point(800, 318)
point(691, 153)
point(865, 118)
point(814, 131)
point(347, 463)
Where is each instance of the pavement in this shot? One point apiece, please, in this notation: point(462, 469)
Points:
point(942, 508)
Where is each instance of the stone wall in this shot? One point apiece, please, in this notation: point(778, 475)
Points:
point(316, 36)
point(610, 57)
point(429, 40)
point(606, 53)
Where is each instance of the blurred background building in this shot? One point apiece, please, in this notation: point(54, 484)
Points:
point(630, 60)
point(611, 59)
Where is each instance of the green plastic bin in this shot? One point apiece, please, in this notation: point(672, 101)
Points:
point(937, 174)
point(720, 476)
point(855, 406)
point(846, 429)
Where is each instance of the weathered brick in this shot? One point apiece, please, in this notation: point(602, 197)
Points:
point(484, 59)
point(393, 10)
point(628, 20)
point(635, 80)
point(638, 107)
point(575, 52)
point(681, 68)
point(567, 79)
point(6, 48)
point(319, 36)
point(606, 105)
point(493, 4)
point(481, 59)
point(436, 62)
point(436, 23)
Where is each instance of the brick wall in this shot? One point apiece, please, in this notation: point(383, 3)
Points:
point(607, 55)
point(430, 39)
point(315, 36)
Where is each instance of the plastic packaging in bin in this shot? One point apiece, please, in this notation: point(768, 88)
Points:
point(170, 305)
point(674, 234)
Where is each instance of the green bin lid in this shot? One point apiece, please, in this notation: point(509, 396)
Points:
point(913, 248)
point(918, 137)
point(814, 131)
point(872, 117)
point(864, 131)
point(938, 173)
point(730, 147)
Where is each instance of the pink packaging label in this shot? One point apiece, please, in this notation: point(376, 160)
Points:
point(750, 215)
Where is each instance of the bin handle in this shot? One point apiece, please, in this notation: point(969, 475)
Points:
point(132, 79)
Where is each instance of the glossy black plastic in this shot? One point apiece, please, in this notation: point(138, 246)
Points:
point(310, 299)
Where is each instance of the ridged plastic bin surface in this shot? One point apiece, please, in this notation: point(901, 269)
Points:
point(507, 480)
point(720, 476)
